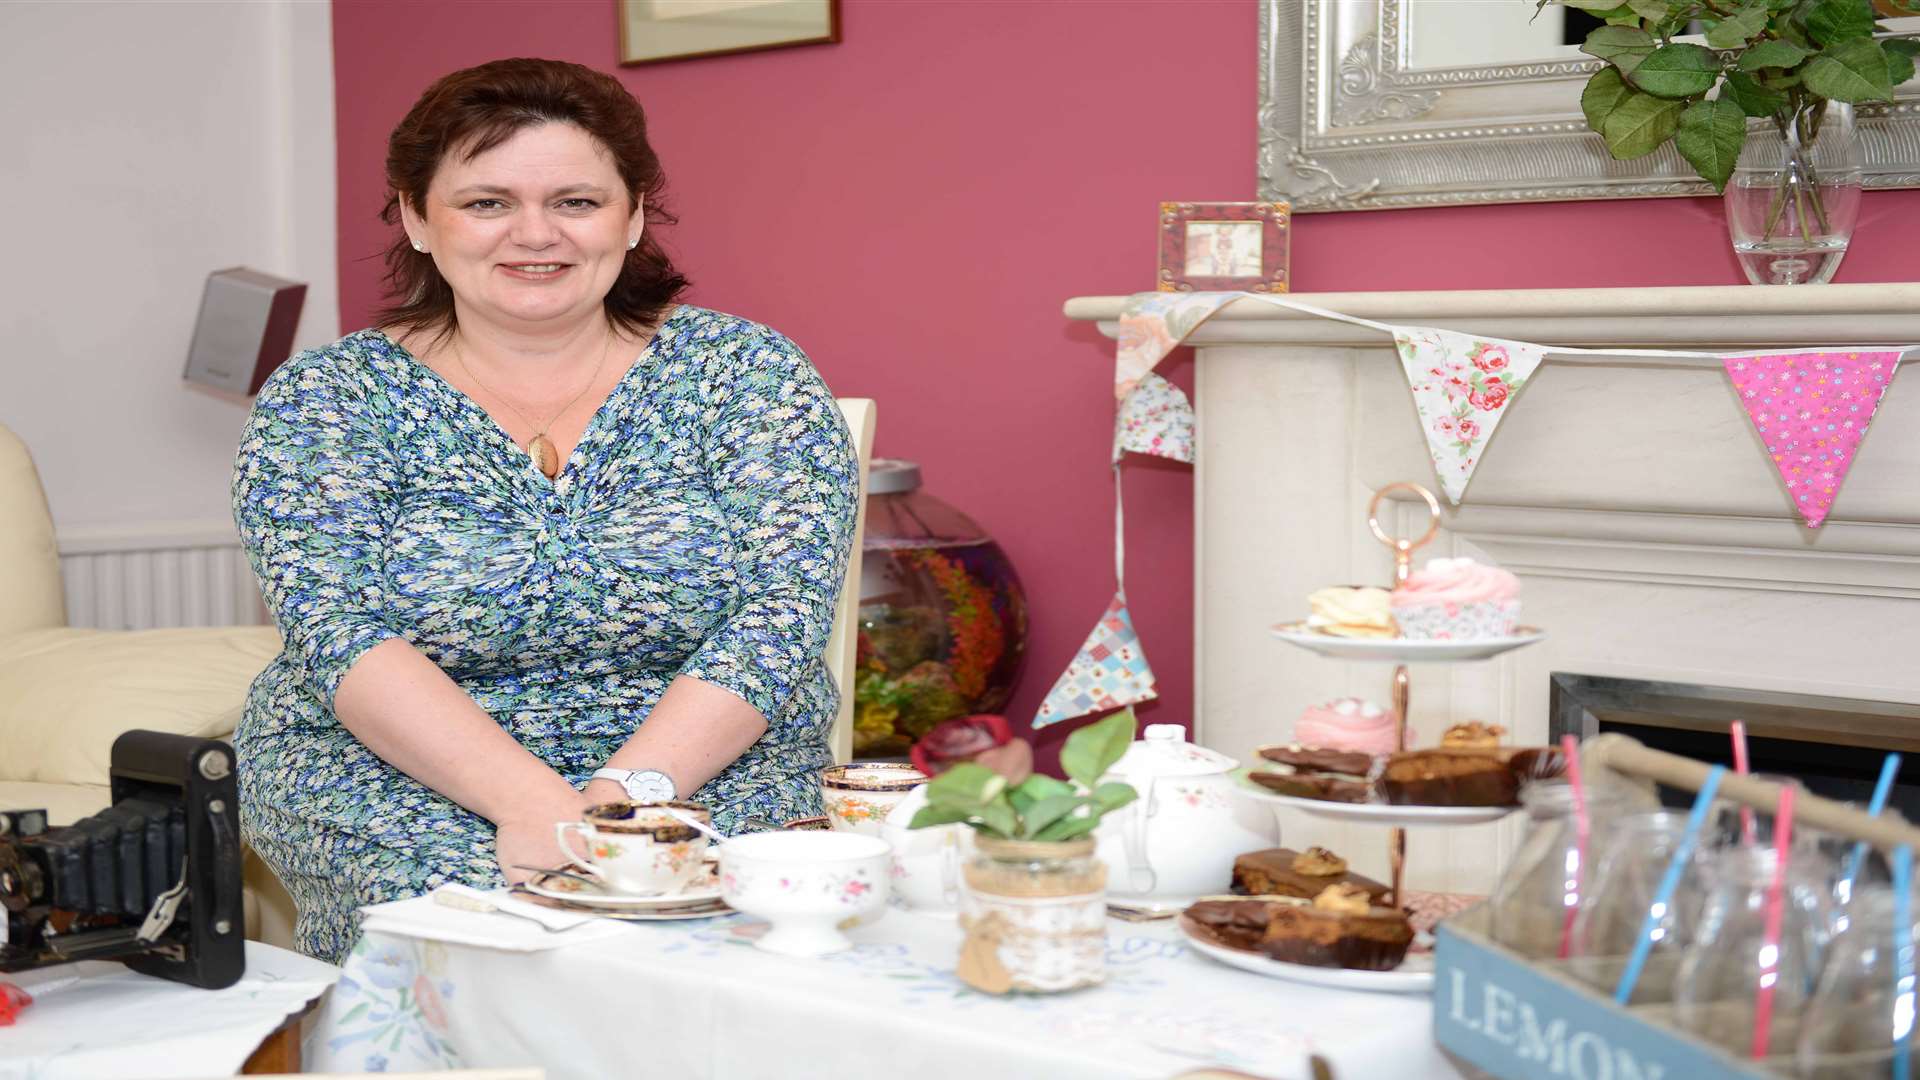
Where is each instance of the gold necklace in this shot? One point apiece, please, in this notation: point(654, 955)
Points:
point(546, 456)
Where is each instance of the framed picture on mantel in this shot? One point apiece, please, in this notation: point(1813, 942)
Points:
point(1223, 247)
point(653, 31)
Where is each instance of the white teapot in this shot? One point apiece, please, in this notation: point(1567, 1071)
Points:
point(1178, 840)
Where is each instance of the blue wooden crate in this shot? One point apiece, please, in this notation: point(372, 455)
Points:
point(1518, 1021)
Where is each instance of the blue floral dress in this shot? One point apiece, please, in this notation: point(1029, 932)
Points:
point(701, 527)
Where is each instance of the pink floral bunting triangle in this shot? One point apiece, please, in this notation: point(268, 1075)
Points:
point(1811, 410)
point(1462, 386)
point(1108, 672)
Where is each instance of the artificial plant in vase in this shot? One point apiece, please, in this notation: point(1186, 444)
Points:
point(1800, 65)
point(1033, 901)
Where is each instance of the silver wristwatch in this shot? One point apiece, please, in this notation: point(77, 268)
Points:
point(642, 785)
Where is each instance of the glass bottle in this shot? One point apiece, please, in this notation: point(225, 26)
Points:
point(1852, 1019)
point(1613, 913)
point(943, 617)
point(1532, 907)
point(1716, 990)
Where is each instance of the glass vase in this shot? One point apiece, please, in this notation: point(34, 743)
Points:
point(1035, 916)
point(1795, 193)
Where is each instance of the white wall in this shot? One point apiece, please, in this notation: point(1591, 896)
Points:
point(143, 145)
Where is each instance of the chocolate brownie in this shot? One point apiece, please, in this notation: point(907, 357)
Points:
point(1302, 933)
point(1286, 872)
point(1449, 778)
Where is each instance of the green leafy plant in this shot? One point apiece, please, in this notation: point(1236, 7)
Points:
point(1783, 60)
point(1034, 806)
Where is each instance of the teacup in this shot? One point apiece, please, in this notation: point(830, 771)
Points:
point(638, 848)
point(860, 794)
point(809, 885)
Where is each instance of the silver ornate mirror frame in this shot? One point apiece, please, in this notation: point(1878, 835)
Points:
point(1345, 124)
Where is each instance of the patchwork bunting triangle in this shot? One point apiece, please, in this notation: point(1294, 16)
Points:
point(1109, 671)
point(1462, 386)
point(1811, 410)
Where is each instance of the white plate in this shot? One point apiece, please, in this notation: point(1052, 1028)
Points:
point(1413, 976)
point(1403, 650)
point(1375, 813)
point(555, 887)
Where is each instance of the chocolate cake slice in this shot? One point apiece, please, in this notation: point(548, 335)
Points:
point(1365, 939)
point(1286, 872)
point(1237, 924)
point(1315, 759)
point(1329, 787)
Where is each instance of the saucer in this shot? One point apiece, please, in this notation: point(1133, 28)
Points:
point(702, 892)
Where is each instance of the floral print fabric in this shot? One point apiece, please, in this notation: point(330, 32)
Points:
point(1461, 387)
point(1811, 410)
point(701, 527)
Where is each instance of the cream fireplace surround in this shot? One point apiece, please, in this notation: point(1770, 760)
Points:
point(1631, 495)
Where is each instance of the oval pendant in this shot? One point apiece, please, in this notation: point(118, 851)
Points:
point(546, 457)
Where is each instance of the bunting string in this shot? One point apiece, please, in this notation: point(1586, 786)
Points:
point(1810, 408)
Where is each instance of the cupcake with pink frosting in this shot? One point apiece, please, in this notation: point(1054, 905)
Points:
point(1457, 600)
point(1347, 724)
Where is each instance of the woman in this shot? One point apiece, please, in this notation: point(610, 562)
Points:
point(545, 538)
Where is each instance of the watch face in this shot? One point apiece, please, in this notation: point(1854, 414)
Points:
point(650, 786)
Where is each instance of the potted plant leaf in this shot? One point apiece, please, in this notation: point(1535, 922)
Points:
point(1033, 897)
point(1795, 68)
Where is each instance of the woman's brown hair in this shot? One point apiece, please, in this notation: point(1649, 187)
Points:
point(475, 110)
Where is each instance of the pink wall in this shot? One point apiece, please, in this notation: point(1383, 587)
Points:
point(913, 204)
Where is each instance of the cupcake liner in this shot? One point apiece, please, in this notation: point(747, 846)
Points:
point(1458, 622)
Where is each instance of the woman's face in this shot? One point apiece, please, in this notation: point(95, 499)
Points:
point(532, 233)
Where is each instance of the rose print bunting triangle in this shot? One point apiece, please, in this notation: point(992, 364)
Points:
point(1811, 410)
point(1461, 386)
point(1108, 672)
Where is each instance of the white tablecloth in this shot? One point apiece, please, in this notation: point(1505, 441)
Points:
point(695, 999)
point(98, 1019)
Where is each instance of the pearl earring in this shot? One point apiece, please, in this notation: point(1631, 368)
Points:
point(420, 247)
point(633, 243)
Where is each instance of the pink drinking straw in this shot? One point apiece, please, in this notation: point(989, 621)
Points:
point(1570, 747)
point(1740, 766)
point(1770, 951)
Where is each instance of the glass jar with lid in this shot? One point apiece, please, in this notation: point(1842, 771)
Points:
point(943, 617)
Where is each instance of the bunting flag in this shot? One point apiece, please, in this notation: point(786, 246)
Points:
point(1108, 672)
point(1155, 418)
point(1153, 325)
point(1462, 386)
point(1811, 409)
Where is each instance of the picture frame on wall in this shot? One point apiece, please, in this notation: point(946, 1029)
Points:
point(1224, 247)
point(655, 31)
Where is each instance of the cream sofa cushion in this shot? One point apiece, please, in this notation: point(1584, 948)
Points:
point(66, 694)
point(64, 803)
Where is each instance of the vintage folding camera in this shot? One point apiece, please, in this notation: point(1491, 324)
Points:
point(152, 881)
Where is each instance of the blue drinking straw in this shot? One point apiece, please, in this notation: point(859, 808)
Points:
point(1902, 961)
point(1880, 789)
point(1663, 897)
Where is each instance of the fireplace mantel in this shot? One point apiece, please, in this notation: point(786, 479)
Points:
point(1652, 537)
point(1701, 317)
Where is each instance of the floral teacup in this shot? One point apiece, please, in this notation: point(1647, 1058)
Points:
point(637, 848)
point(860, 794)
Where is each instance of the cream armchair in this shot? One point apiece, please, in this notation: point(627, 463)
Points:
point(67, 693)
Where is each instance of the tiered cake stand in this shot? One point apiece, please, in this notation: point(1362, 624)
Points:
point(1399, 652)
